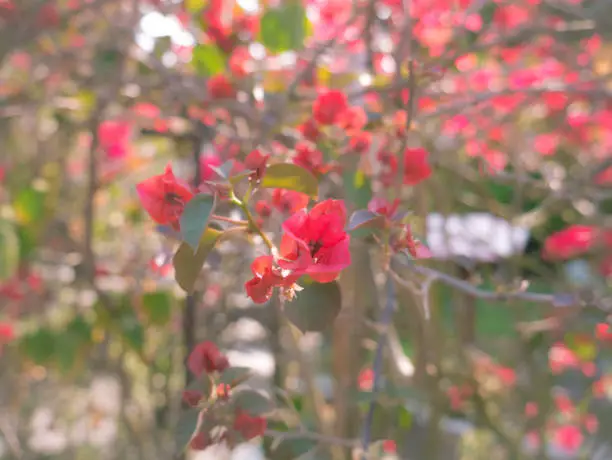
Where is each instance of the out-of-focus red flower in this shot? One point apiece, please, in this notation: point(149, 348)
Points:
point(266, 276)
point(263, 208)
point(315, 243)
point(249, 426)
point(289, 201)
point(353, 119)
point(389, 446)
point(223, 391)
point(603, 332)
point(407, 242)
point(561, 358)
point(570, 242)
point(388, 167)
point(365, 381)
point(219, 87)
point(239, 62)
point(310, 158)
point(114, 137)
point(200, 441)
point(329, 107)
point(206, 161)
point(380, 205)
point(568, 437)
point(256, 161)
point(7, 332)
point(164, 197)
point(416, 166)
point(310, 130)
point(206, 357)
point(531, 409)
point(146, 110)
point(360, 142)
point(192, 397)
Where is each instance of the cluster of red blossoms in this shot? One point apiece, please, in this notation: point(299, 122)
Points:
point(220, 421)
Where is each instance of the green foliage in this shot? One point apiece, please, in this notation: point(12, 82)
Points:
point(185, 428)
point(284, 28)
point(316, 307)
point(357, 187)
point(364, 218)
point(291, 177)
point(187, 265)
point(39, 346)
point(233, 376)
point(158, 307)
point(195, 217)
point(208, 59)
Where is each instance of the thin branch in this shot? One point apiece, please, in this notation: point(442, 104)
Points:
point(285, 436)
point(385, 321)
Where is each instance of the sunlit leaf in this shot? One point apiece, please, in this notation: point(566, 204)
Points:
point(9, 250)
point(195, 217)
point(208, 59)
point(291, 177)
point(29, 206)
point(157, 306)
point(195, 6)
point(357, 187)
point(39, 346)
point(224, 170)
point(187, 265)
point(316, 307)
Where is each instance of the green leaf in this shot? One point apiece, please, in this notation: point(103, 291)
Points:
point(130, 328)
point(66, 351)
point(315, 307)
point(233, 376)
point(39, 346)
point(185, 427)
point(29, 206)
point(364, 218)
point(195, 217)
point(9, 250)
point(157, 306)
point(224, 170)
point(208, 59)
point(358, 188)
point(291, 177)
point(253, 402)
point(202, 384)
point(284, 28)
point(187, 265)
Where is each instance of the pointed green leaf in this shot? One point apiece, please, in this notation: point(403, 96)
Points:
point(364, 218)
point(185, 428)
point(224, 170)
point(195, 217)
point(187, 265)
point(284, 28)
point(291, 177)
point(253, 402)
point(315, 307)
point(233, 376)
point(39, 346)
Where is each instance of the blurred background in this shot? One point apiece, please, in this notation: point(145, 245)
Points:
point(500, 344)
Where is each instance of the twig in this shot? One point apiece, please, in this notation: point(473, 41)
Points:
point(284, 436)
point(385, 321)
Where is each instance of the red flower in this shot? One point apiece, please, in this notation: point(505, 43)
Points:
point(206, 357)
point(164, 197)
point(256, 161)
point(352, 119)
point(200, 441)
point(239, 62)
point(263, 209)
point(379, 205)
point(310, 130)
point(329, 106)
point(7, 333)
point(389, 446)
point(192, 397)
point(568, 437)
point(114, 137)
point(206, 171)
point(360, 142)
point(219, 87)
point(365, 381)
point(416, 166)
point(388, 167)
point(248, 426)
point(223, 391)
point(315, 242)
point(603, 332)
point(310, 158)
point(289, 201)
point(266, 276)
point(569, 242)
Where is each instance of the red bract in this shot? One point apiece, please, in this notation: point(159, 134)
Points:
point(365, 380)
point(416, 166)
point(603, 332)
point(360, 142)
point(329, 106)
point(164, 197)
point(206, 171)
point(248, 426)
point(570, 242)
point(192, 397)
point(7, 333)
point(206, 357)
point(352, 119)
point(219, 87)
point(310, 130)
point(381, 206)
point(266, 276)
point(200, 441)
point(315, 242)
point(289, 201)
point(239, 62)
point(568, 437)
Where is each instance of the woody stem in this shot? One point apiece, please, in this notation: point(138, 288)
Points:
point(241, 223)
point(251, 222)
